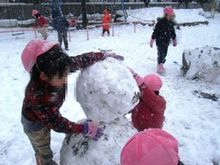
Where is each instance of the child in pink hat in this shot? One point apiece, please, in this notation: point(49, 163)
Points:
point(49, 66)
point(151, 147)
point(149, 113)
point(163, 33)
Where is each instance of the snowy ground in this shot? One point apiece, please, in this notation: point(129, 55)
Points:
point(193, 121)
point(182, 15)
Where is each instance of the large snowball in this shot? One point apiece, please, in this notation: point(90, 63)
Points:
point(106, 90)
point(202, 64)
point(77, 150)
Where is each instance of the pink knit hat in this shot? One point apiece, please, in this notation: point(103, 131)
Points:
point(150, 147)
point(153, 81)
point(34, 12)
point(34, 49)
point(169, 11)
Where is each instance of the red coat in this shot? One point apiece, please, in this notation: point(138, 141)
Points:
point(106, 20)
point(41, 21)
point(149, 113)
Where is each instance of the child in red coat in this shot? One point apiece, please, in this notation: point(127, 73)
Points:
point(41, 24)
point(105, 22)
point(149, 113)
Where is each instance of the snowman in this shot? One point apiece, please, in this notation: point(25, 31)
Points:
point(106, 92)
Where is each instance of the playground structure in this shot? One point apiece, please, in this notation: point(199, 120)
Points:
point(18, 21)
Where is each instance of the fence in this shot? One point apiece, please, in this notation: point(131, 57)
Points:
point(15, 10)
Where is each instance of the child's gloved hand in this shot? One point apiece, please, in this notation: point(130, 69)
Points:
point(174, 43)
point(151, 43)
point(92, 129)
point(113, 55)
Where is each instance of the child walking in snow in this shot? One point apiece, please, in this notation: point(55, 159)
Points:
point(41, 24)
point(149, 113)
point(61, 25)
point(163, 33)
point(49, 66)
point(151, 147)
point(105, 22)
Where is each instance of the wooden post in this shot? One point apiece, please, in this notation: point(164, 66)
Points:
point(87, 32)
point(113, 31)
point(35, 33)
point(69, 36)
point(134, 27)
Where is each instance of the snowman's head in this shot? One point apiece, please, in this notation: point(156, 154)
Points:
point(106, 90)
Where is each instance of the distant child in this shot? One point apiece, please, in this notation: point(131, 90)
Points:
point(41, 24)
point(151, 147)
point(61, 25)
point(163, 33)
point(149, 113)
point(105, 22)
point(49, 67)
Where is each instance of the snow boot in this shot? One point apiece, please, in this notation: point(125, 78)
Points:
point(160, 68)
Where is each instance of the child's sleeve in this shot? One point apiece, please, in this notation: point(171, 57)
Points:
point(49, 114)
point(154, 101)
point(156, 31)
point(173, 33)
point(85, 60)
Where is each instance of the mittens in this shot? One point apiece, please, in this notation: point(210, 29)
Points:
point(92, 129)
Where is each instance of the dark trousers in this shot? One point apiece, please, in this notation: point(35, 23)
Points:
point(105, 30)
point(162, 53)
point(62, 37)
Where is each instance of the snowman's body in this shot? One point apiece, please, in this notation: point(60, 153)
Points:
point(106, 91)
point(77, 150)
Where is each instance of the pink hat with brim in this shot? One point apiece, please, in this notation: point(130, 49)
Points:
point(150, 147)
point(34, 12)
point(34, 49)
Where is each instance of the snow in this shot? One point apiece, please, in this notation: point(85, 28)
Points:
point(182, 15)
point(105, 151)
point(204, 64)
point(193, 121)
point(106, 91)
point(8, 23)
point(109, 86)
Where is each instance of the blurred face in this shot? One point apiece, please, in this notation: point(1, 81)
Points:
point(56, 80)
point(169, 17)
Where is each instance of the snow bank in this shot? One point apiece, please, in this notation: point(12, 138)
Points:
point(182, 15)
point(106, 151)
point(26, 23)
point(6, 23)
point(202, 63)
point(106, 90)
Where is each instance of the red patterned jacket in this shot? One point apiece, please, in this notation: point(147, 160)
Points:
point(42, 101)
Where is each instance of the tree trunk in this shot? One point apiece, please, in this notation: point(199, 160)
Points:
point(84, 16)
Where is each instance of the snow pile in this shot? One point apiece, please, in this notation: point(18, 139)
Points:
point(106, 90)
point(105, 151)
point(193, 15)
point(202, 64)
point(6, 23)
point(26, 23)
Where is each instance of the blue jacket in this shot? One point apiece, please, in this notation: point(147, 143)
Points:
point(60, 24)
